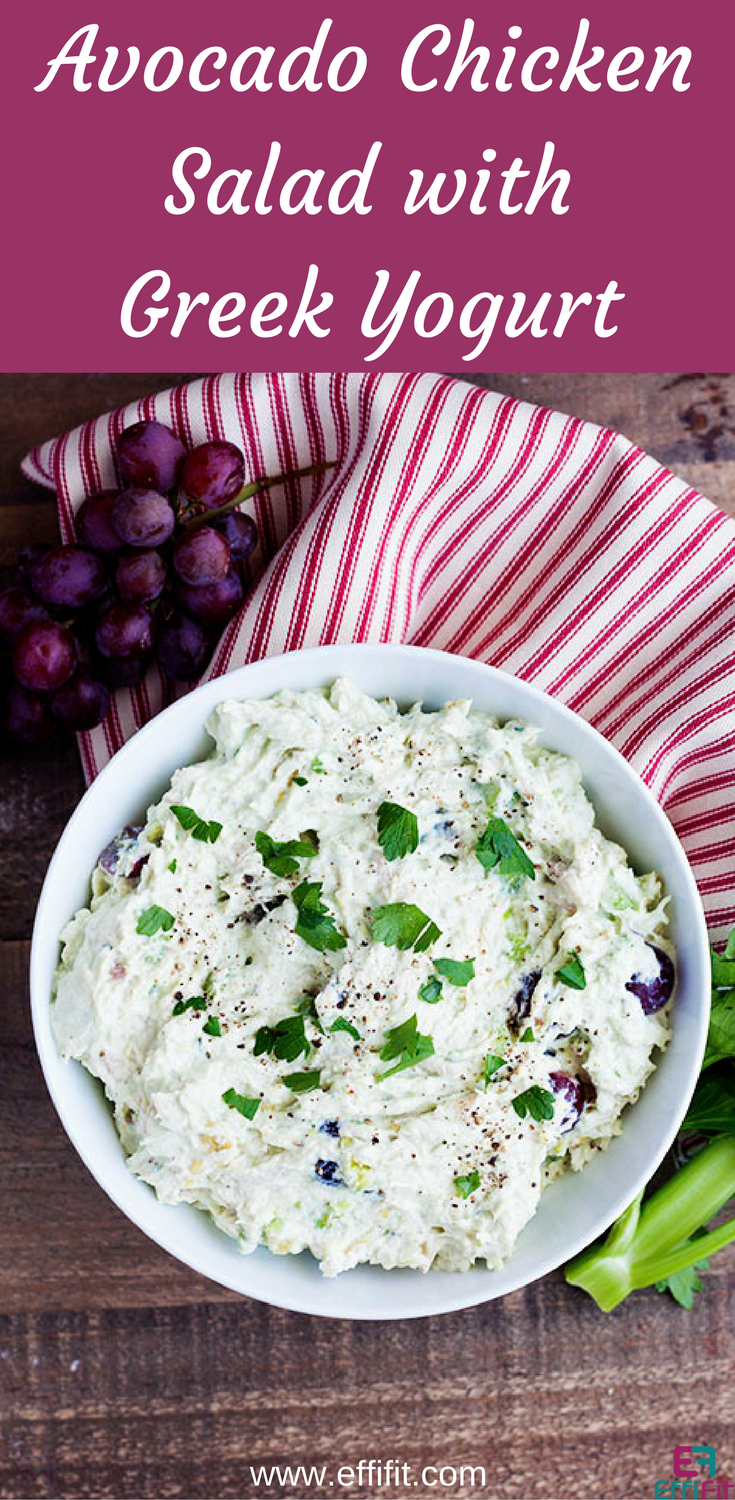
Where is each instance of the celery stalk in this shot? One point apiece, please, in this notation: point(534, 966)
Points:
point(651, 1240)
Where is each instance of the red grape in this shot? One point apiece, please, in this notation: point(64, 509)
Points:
point(183, 648)
point(18, 608)
point(654, 993)
point(141, 576)
point(121, 671)
point(28, 558)
point(213, 602)
point(93, 523)
point(82, 701)
point(150, 455)
point(119, 849)
point(124, 630)
point(571, 1093)
point(241, 533)
point(201, 555)
point(143, 518)
point(44, 655)
point(69, 577)
point(27, 715)
point(213, 472)
point(521, 1006)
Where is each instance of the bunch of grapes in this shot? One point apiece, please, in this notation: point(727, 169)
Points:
point(155, 572)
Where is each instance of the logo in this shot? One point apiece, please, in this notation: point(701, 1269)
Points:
point(691, 1463)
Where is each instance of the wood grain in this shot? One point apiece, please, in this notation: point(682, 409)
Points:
point(122, 1374)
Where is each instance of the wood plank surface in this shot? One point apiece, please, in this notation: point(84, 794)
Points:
point(122, 1374)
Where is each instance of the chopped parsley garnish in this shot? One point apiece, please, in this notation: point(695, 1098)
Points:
point(240, 1102)
point(402, 925)
point(154, 919)
point(457, 971)
point(286, 1040)
point(528, 1035)
point(407, 1044)
point(342, 1025)
point(498, 848)
point(317, 767)
point(536, 1102)
point(315, 923)
point(281, 856)
point(172, 867)
point(303, 1083)
point(572, 973)
point(208, 985)
point(299, 780)
point(200, 828)
point(398, 830)
point(197, 1002)
point(307, 1007)
point(492, 1063)
point(212, 1026)
point(468, 1184)
point(431, 990)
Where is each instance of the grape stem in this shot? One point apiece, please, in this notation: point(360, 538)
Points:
point(205, 517)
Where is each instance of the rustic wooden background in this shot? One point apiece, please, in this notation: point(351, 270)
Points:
point(123, 1374)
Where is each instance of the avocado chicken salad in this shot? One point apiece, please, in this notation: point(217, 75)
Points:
point(366, 980)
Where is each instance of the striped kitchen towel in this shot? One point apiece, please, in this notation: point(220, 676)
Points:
point(462, 519)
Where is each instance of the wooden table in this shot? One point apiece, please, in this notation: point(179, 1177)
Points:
point(123, 1374)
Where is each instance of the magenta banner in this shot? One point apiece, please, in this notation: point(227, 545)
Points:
point(517, 185)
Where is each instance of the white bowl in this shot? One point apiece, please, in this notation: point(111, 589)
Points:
point(577, 1206)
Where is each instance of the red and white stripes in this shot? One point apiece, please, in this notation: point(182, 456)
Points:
point(461, 519)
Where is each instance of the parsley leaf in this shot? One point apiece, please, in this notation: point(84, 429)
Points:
point(317, 767)
point(212, 1026)
point(684, 1285)
point(299, 780)
point(342, 1025)
point(281, 856)
point(431, 990)
point(572, 973)
point(246, 1107)
point(315, 923)
point(307, 1007)
point(457, 971)
point(528, 1035)
point(303, 1083)
point(398, 830)
point(172, 867)
point(154, 919)
point(537, 1102)
point(468, 1184)
point(286, 1040)
point(428, 936)
point(492, 1063)
point(712, 1110)
point(402, 925)
point(498, 847)
point(206, 832)
point(407, 1044)
point(721, 1034)
point(265, 1040)
point(197, 1002)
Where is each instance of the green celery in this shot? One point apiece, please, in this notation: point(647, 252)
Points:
point(651, 1240)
